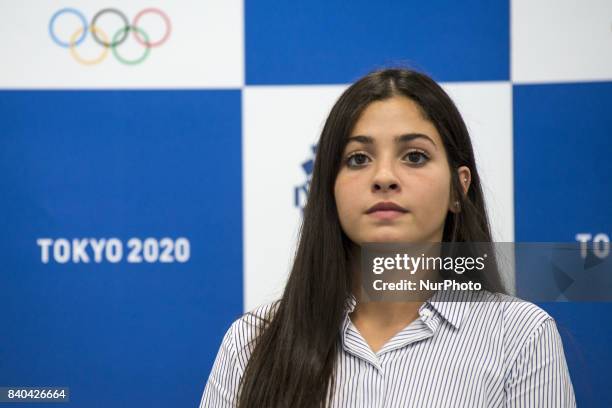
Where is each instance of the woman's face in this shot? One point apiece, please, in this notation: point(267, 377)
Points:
point(394, 156)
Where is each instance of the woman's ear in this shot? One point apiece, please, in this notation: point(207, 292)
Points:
point(465, 178)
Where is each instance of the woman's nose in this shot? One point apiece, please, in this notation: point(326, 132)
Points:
point(385, 186)
point(385, 180)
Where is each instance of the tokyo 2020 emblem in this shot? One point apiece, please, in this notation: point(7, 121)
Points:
point(108, 40)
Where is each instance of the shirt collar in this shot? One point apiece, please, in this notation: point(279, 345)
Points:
point(452, 305)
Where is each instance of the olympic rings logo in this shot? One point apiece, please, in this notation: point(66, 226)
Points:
point(102, 38)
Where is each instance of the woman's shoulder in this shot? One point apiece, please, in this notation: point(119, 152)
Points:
point(253, 320)
point(513, 313)
point(515, 310)
point(522, 322)
point(244, 331)
point(533, 352)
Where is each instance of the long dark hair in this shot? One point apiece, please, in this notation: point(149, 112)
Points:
point(292, 361)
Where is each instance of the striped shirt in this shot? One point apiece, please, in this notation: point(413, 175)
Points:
point(466, 349)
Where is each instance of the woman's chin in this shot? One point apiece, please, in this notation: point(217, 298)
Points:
point(387, 237)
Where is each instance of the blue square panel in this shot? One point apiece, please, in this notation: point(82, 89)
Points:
point(121, 242)
point(562, 147)
point(562, 187)
point(327, 42)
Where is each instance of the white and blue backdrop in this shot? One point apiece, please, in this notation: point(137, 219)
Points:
point(151, 194)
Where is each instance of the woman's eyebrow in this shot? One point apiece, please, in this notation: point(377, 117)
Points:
point(405, 138)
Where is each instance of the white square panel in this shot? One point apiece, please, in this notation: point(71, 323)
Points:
point(205, 47)
point(486, 108)
point(561, 40)
point(280, 126)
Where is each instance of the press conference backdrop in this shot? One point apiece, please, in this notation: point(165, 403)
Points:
point(153, 169)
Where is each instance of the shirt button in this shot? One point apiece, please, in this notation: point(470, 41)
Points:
point(426, 313)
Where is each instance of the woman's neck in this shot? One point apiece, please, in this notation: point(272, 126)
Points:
point(380, 314)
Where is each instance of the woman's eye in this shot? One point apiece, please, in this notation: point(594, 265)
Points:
point(357, 159)
point(414, 156)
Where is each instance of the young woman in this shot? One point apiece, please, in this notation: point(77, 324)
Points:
point(393, 137)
